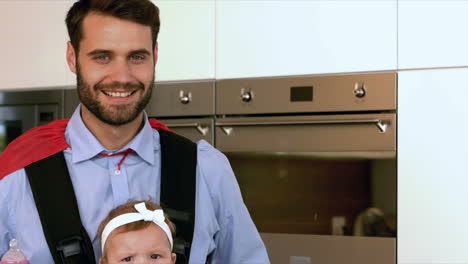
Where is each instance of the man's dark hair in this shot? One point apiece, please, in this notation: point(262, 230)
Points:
point(143, 12)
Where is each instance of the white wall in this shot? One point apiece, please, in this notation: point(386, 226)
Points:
point(34, 37)
point(33, 43)
point(432, 33)
point(432, 166)
point(432, 131)
point(186, 40)
point(271, 38)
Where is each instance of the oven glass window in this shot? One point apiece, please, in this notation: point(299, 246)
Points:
point(307, 194)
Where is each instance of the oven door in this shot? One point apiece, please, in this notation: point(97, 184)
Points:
point(316, 184)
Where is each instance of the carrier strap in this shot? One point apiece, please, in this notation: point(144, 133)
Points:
point(58, 210)
point(178, 186)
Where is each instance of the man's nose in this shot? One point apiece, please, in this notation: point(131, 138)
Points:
point(121, 72)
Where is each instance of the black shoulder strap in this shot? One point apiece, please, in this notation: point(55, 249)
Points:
point(178, 185)
point(58, 210)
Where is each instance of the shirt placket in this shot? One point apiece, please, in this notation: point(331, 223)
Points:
point(119, 180)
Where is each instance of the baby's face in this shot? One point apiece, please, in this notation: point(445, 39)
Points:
point(149, 245)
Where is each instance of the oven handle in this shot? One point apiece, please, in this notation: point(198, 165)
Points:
point(201, 129)
point(382, 125)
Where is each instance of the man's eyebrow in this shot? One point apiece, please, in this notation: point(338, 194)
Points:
point(98, 51)
point(139, 51)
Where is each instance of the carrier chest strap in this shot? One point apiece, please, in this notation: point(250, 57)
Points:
point(58, 211)
point(178, 189)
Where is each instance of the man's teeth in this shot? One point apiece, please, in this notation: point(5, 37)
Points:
point(118, 94)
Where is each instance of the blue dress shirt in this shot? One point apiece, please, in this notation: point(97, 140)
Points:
point(223, 225)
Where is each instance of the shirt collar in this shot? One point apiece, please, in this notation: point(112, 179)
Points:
point(144, 142)
point(85, 145)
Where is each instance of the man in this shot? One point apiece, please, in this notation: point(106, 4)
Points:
point(113, 50)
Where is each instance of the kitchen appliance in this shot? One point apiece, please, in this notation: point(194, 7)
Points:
point(23, 110)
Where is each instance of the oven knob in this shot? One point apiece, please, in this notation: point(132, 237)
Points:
point(185, 98)
point(359, 91)
point(246, 96)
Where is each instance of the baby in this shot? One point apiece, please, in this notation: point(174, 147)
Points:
point(137, 232)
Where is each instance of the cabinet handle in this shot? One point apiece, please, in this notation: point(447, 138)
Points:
point(227, 130)
point(200, 128)
point(382, 125)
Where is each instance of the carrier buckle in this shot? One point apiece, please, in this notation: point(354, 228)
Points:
point(69, 247)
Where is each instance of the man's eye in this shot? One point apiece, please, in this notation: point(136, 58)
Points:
point(137, 58)
point(155, 256)
point(102, 58)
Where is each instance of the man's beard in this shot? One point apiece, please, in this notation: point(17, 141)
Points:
point(115, 115)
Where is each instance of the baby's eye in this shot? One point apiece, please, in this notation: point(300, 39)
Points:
point(127, 259)
point(155, 256)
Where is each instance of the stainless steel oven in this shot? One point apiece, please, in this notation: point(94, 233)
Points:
point(23, 110)
point(315, 158)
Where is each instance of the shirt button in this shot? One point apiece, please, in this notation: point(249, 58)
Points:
point(117, 172)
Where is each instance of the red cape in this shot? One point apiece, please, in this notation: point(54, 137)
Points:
point(39, 143)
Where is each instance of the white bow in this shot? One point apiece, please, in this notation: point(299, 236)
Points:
point(155, 216)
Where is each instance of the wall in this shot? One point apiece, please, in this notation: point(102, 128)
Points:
point(432, 141)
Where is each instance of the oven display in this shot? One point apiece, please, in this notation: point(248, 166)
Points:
point(301, 94)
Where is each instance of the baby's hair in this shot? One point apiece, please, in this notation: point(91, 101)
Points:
point(129, 207)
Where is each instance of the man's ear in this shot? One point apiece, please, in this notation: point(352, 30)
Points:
point(102, 261)
point(155, 53)
point(71, 57)
point(173, 258)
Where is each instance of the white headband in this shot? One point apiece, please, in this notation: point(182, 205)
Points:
point(156, 216)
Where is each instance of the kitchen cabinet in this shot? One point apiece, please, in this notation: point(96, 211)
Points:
point(186, 40)
point(271, 38)
point(33, 44)
point(432, 33)
point(33, 53)
point(432, 166)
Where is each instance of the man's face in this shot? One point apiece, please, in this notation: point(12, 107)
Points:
point(114, 68)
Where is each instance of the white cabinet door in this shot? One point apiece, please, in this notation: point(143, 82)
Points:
point(432, 33)
point(186, 40)
point(33, 44)
point(433, 166)
point(268, 38)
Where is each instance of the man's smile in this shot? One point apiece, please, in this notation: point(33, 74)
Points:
point(118, 94)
